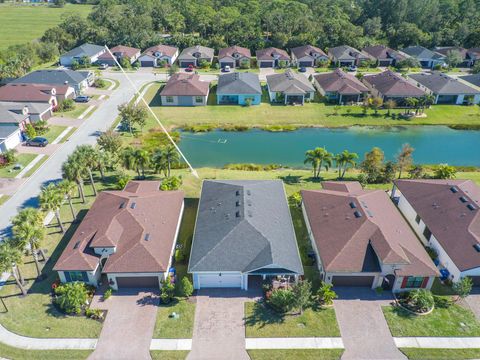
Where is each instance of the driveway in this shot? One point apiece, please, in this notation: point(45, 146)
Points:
point(128, 328)
point(473, 302)
point(47, 150)
point(364, 331)
point(219, 331)
point(263, 72)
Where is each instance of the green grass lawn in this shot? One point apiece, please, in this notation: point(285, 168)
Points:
point(297, 354)
point(169, 354)
point(24, 23)
point(75, 113)
point(9, 352)
point(4, 199)
point(53, 132)
point(36, 167)
point(452, 321)
point(260, 321)
point(441, 354)
point(116, 83)
point(170, 328)
point(22, 159)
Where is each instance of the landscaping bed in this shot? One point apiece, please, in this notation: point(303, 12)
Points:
point(297, 354)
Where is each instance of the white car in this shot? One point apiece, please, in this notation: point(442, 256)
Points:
point(226, 68)
point(104, 66)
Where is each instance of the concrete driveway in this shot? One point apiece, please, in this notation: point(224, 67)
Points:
point(363, 327)
point(128, 328)
point(219, 331)
point(473, 302)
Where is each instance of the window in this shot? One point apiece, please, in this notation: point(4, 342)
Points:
point(414, 282)
point(427, 233)
point(417, 219)
point(169, 99)
point(76, 276)
point(198, 99)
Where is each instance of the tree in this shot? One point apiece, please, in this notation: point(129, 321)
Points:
point(171, 183)
point(318, 158)
point(131, 114)
point(110, 141)
point(444, 171)
point(422, 299)
point(10, 259)
point(142, 159)
point(28, 230)
point(389, 105)
point(171, 157)
point(187, 287)
point(51, 199)
point(172, 70)
point(71, 297)
point(388, 172)
point(417, 172)
point(463, 287)
point(73, 170)
point(87, 156)
point(376, 103)
point(404, 158)
point(411, 103)
point(407, 63)
point(344, 160)
point(453, 58)
point(373, 164)
point(325, 294)
point(67, 189)
point(158, 161)
point(302, 292)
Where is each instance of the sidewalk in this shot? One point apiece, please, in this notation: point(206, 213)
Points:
point(294, 343)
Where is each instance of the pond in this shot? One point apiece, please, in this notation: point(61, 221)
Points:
point(432, 144)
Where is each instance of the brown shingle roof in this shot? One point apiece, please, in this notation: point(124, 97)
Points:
point(306, 50)
point(389, 83)
point(126, 51)
point(383, 52)
point(454, 225)
point(140, 221)
point(163, 49)
point(270, 53)
point(31, 92)
point(232, 50)
point(181, 84)
point(340, 82)
point(342, 238)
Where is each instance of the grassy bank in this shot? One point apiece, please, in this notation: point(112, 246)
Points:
point(9, 352)
point(441, 354)
point(297, 354)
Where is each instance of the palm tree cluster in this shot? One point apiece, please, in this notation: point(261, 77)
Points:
point(160, 160)
point(320, 158)
point(419, 104)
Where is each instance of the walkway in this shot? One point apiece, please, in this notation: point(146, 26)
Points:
point(364, 331)
point(128, 329)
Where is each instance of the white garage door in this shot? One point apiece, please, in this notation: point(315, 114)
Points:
point(220, 281)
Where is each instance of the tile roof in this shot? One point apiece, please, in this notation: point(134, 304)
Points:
point(31, 92)
point(440, 83)
point(340, 82)
point(289, 82)
point(389, 83)
point(125, 51)
point(381, 52)
point(182, 84)
point(446, 214)
point(244, 226)
point(306, 50)
point(140, 221)
point(85, 50)
point(239, 83)
point(203, 51)
point(272, 53)
point(164, 50)
point(346, 52)
point(232, 50)
point(346, 221)
point(54, 77)
point(421, 52)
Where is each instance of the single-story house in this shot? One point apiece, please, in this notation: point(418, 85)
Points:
point(243, 234)
point(10, 137)
point(360, 239)
point(36, 93)
point(474, 54)
point(473, 79)
point(126, 239)
point(272, 57)
point(340, 87)
point(384, 55)
point(185, 90)
point(92, 52)
point(119, 52)
point(345, 55)
point(239, 88)
point(79, 80)
point(36, 111)
point(445, 214)
point(467, 60)
point(157, 55)
point(427, 58)
point(392, 86)
point(13, 120)
point(195, 55)
point(307, 56)
point(290, 88)
point(446, 89)
point(234, 56)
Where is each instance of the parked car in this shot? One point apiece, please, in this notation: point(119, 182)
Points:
point(190, 68)
point(302, 69)
point(37, 141)
point(226, 68)
point(104, 66)
point(352, 68)
point(82, 99)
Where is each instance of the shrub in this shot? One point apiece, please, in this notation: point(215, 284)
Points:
point(178, 255)
point(9, 156)
point(66, 105)
point(107, 294)
point(187, 287)
point(171, 183)
point(282, 300)
point(442, 302)
point(100, 83)
point(41, 127)
point(122, 180)
point(302, 292)
point(422, 299)
point(295, 200)
point(95, 314)
point(30, 131)
point(325, 294)
point(167, 291)
point(444, 171)
point(431, 252)
point(71, 297)
point(248, 102)
point(463, 287)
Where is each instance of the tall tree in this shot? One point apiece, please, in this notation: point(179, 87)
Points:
point(87, 155)
point(74, 170)
point(67, 188)
point(404, 158)
point(318, 158)
point(10, 259)
point(51, 199)
point(344, 160)
point(171, 156)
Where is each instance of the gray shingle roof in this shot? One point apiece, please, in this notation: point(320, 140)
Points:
point(421, 52)
point(6, 130)
point(244, 226)
point(440, 83)
point(84, 50)
point(53, 77)
point(239, 83)
point(289, 82)
point(472, 79)
point(346, 52)
point(12, 113)
point(188, 53)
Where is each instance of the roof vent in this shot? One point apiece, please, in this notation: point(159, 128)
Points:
point(249, 192)
point(237, 192)
point(237, 204)
point(454, 189)
point(471, 207)
point(353, 205)
point(77, 244)
point(133, 206)
point(237, 214)
point(122, 205)
point(477, 247)
point(463, 199)
point(357, 214)
point(369, 213)
point(147, 236)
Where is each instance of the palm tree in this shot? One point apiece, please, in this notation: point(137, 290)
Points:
point(158, 161)
point(51, 199)
point(389, 105)
point(129, 161)
point(344, 159)
point(73, 170)
point(10, 258)
point(171, 157)
point(411, 103)
point(88, 157)
point(67, 189)
point(142, 159)
point(28, 230)
point(318, 157)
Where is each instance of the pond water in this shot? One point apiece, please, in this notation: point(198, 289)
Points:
point(432, 144)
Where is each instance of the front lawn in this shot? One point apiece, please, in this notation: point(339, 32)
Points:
point(167, 327)
point(297, 354)
point(452, 321)
point(22, 159)
point(53, 132)
point(441, 354)
point(260, 321)
point(75, 113)
point(9, 352)
point(169, 354)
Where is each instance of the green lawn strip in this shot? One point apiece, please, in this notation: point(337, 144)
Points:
point(440, 354)
point(9, 352)
point(67, 136)
point(115, 82)
point(53, 132)
point(262, 322)
point(167, 327)
point(169, 354)
point(22, 159)
point(452, 321)
point(297, 354)
point(73, 114)
point(4, 199)
point(35, 167)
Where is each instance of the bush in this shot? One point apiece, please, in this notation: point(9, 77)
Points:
point(122, 180)
point(9, 156)
point(295, 200)
point(107, 294)
point(30, 131)
point(442, 302)
point(71, 297)
point(171, 183)
point(167, 291)
point(100, 83)
point(325, 294)
point(66, 105)
point(431, 252)
point(282, 300)
point(463, 288)
point(187, 287)
point(41, 127)
point(95, 314)
point(421, 299)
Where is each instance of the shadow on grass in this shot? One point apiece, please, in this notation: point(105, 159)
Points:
point(291, 179)
point(263, 316)
point(397, 310)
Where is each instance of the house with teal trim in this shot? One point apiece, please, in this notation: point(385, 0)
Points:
point(239, 88)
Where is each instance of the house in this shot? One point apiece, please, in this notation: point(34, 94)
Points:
point(446, 89)
point(239, 88)
point(345, 55)
point(36, 111)
point(36, 93)
point(290, 88)
point(392, 86)
point(307, 56)
point(195, 56)
point(119, 52)
point(127, 237)
point(243, 234)
point(360, 239)
point(445, 214)
point(79, 80)
point(473, 79)
point(158, 55)
point(272, 58)
point(340, 87)
point(474, 54)
point(384, 55)
point(78, 54)
point(13, 120)
point(428, 59)
point(467, 60)
point(235, 57)
point(185, 90)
